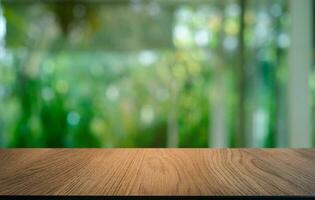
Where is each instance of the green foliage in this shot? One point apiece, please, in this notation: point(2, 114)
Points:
point(100, 75)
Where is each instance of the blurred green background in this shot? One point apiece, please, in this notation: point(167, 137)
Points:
point(158, 73)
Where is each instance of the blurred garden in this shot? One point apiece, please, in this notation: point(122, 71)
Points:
point(136, 73)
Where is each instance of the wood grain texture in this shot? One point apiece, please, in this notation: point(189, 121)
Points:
point(157, 172)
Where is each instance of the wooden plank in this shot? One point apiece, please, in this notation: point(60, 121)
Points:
point(157, 172)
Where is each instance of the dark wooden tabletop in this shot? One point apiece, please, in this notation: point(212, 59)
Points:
point(157, 172)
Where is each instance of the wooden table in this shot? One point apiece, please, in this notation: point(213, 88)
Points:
point(157, 172)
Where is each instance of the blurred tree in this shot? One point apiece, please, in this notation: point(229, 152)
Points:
point(242, 135)
point(134, 73)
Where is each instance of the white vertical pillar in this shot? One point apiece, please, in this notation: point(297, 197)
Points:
point(300, 62)
point(2, 54)
point(219, 133)
point(172, 124)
